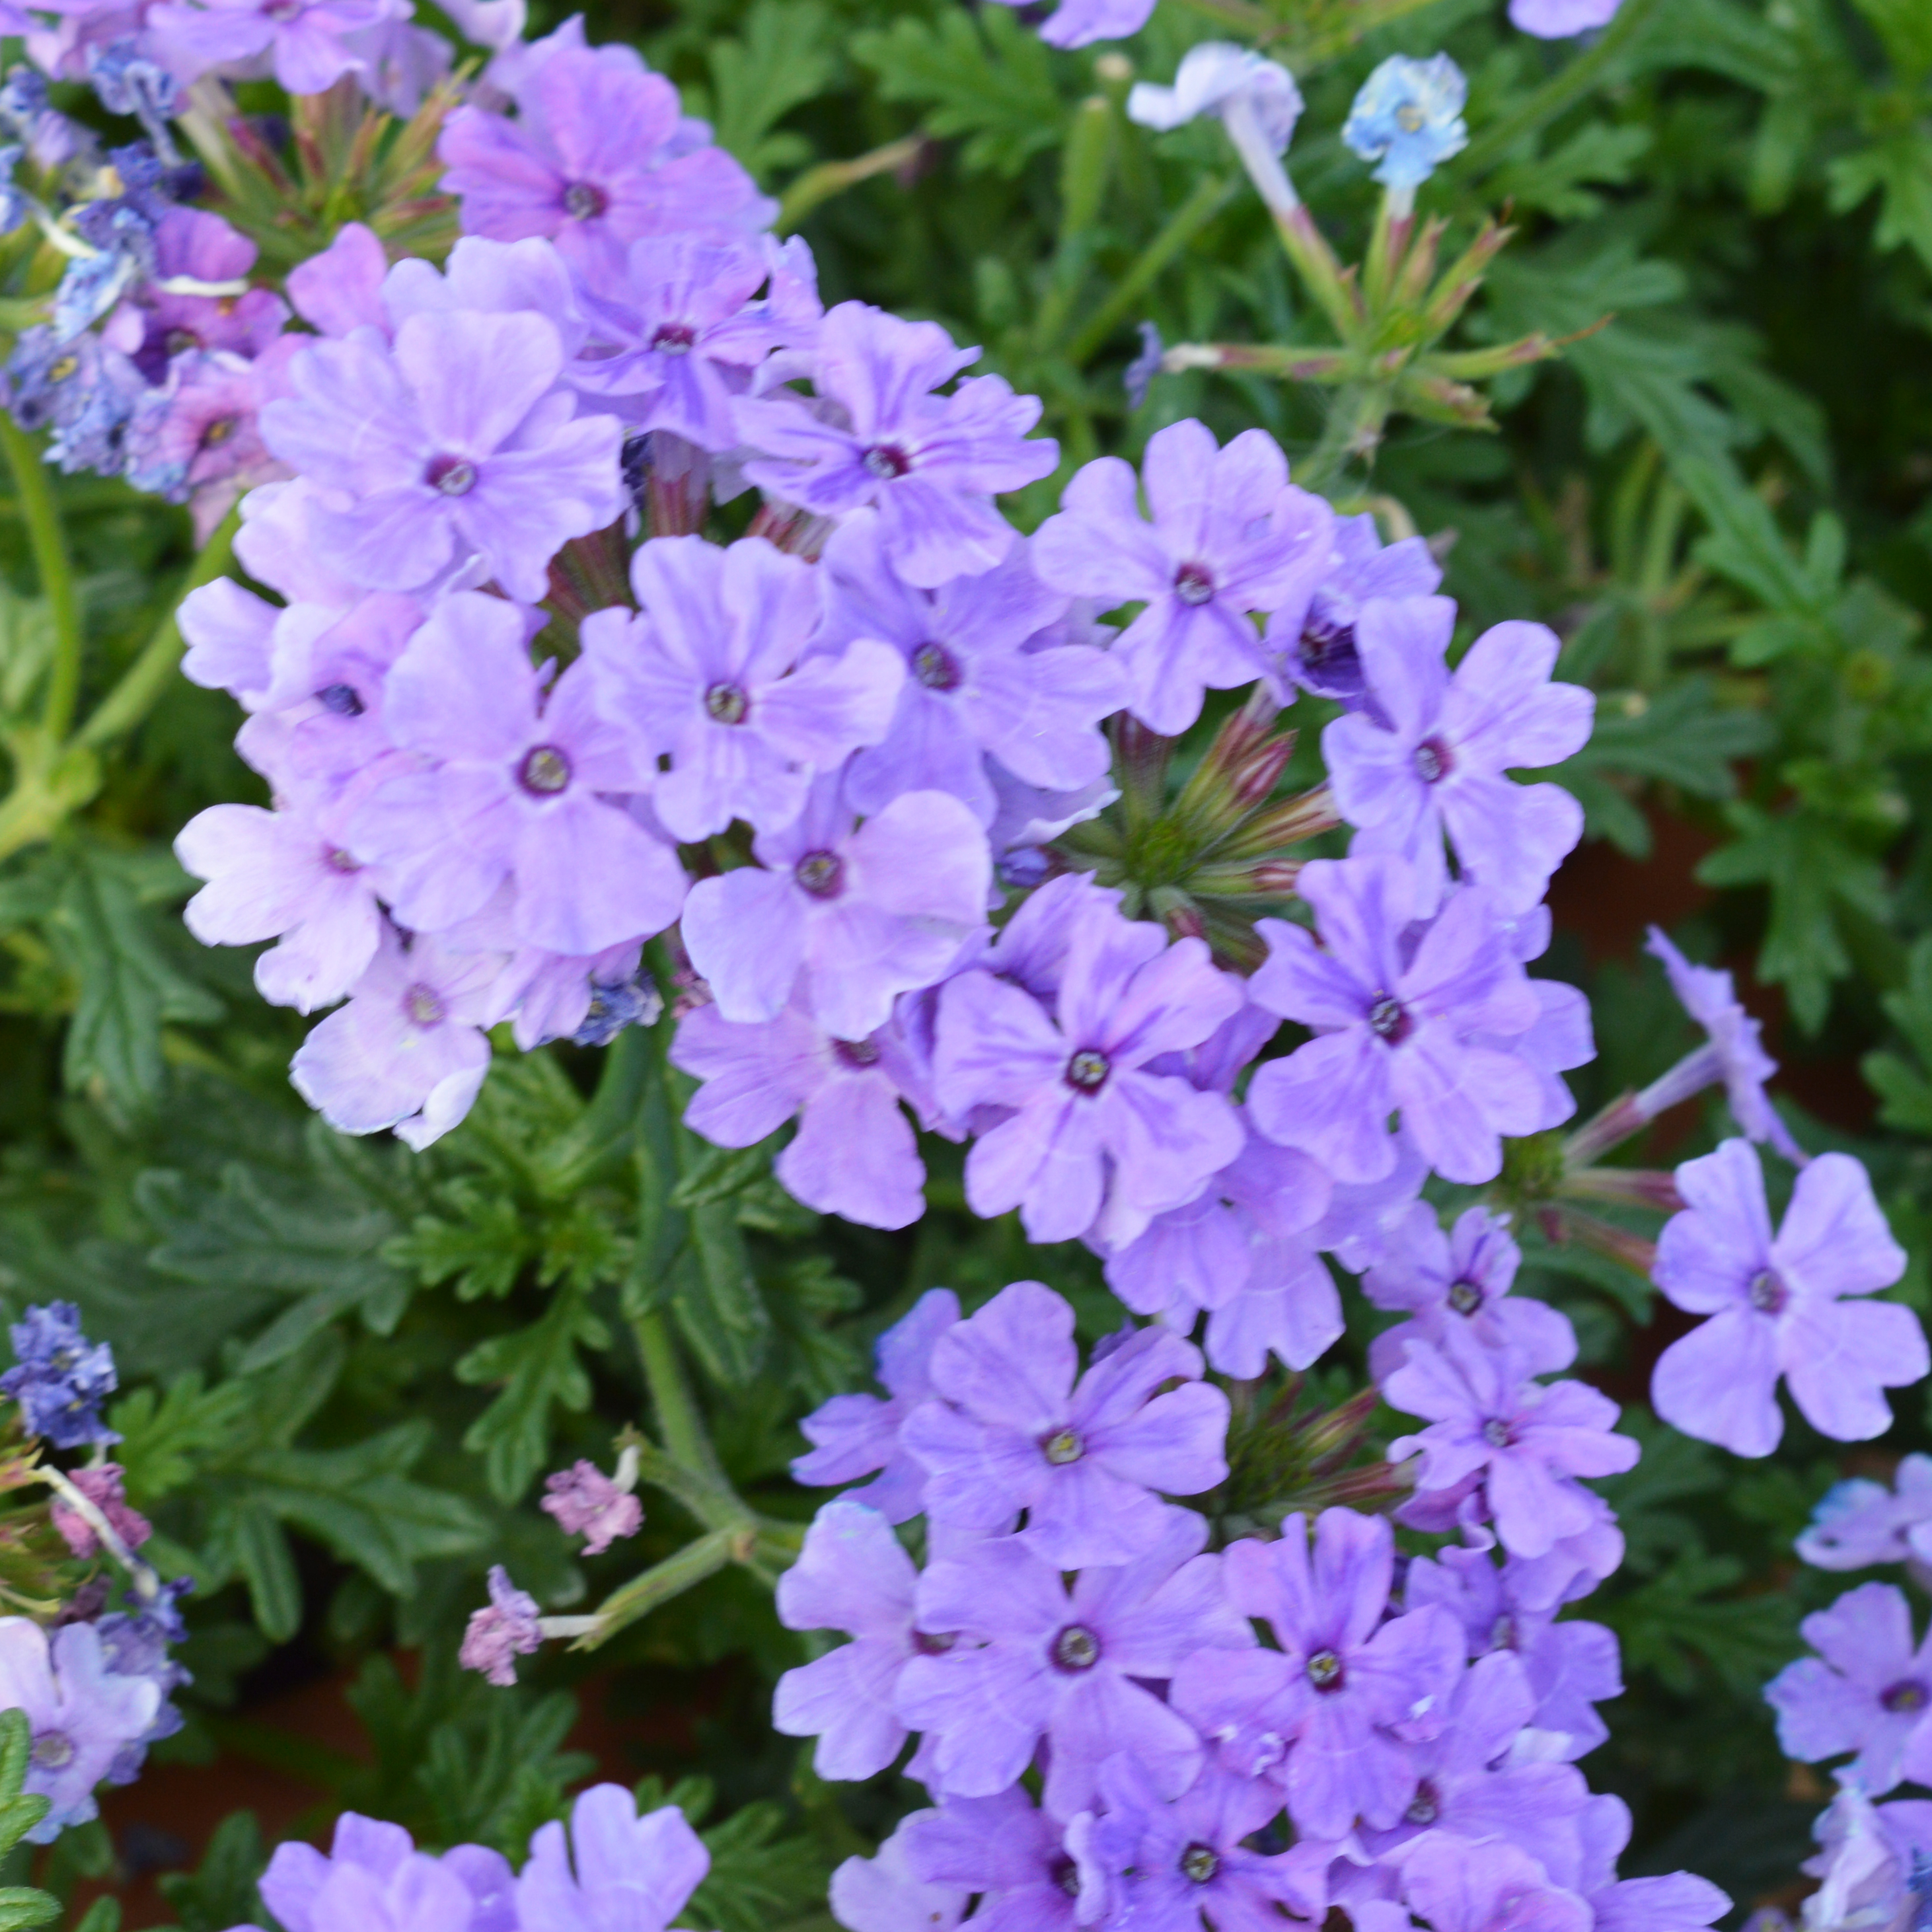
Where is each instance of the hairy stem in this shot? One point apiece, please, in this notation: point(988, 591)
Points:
point(1187, 220)
point(55, 566)
point(679, 1421)
point(663, 1581)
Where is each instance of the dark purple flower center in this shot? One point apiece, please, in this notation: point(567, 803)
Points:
point(1062, 1447)
point(451, 476)
point(544, 772)
point(341, 699)
point(1087, 1071)
point(423, 1006)
point(886, 461)
point(1065, 1874)
point(1323, 643)
point(934, 666)
point(176, 340)
point(1076, 1648)
point(821, 874)
point(1194, 583)
point(1426, 1807)
point(1199, 1863)
point(1325, 1670)
point(282, 10)
point(1432, 761)
point(928, 1644)
point(674, 338)
point(1496, 1432)
point(1502, 1632)
point(584, 201)
point(856, 1054)
point(727, 704)
point(1907, 1694)
point(1389, 1020)
point(1465, 1297)
point(337, 860)
point(1768, 1294)
point(53, 1751)
point(218, 432)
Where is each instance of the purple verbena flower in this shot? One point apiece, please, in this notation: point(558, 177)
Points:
point(927, 464)
point(1228, 537)
point(1075, 23)
point(1009, 1430)
point(852, 1436)
point(1559, 19)
point(1401, 1019)
point(1678, 1902)
point(60, 1378)
point(197, 436)
point(1858, 1522)
point(505, 1629)
point(1092, 1128)
point(586, 1503)
point(1433, 759)
point(1002, 1847)
point(154, 325)
point(103, 1487)
point(885, 1894)
point(304, 40)
point(616, 1870)
point(1778, 1305)
point(1456, 1886)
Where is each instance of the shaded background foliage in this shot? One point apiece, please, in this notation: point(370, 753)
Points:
point(346, 1366)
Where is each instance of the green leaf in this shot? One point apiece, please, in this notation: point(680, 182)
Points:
point(539, 1368)
point(782, 59)
point(1905, 26)
point(21, 1906)
point(256, 1547)
point(721, 1172)
point(166, 1439)
point(1681, 1620)
point(102, 1916)
point(1601, 153)
point(715, 1297)
point(758, 1878)
point(1905, 1093)
point(20, 1810)
point(483, 1251)
point(1900, 167)
point(220, 1892)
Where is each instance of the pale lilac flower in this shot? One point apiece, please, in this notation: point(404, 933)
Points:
point(154, 325)
point(304, 40)
point(884, 1893)
point(1462, 1279)
point(1865, 1866)
point(1858, 1522)
point(1558, 19)
point(851, 1576)
point(586, 1503)
point(1775, 1305)
point(1148, 1859)
point(60, 1378)
point(1528, 1439)
point(1002, 1847)
point(850, 916)
point(282, 875)
point(927, 464)
point(1409, 118)
point(104, 1487)
point(454, 442)
point(1433, 760)
point(619, 1871)
point(1400, 1021)
point(81, 1714)
point(1680, 1902)
point(197, 435)
point(983, 678)
point(1212, 77)
point(854, 1154)
point(408, 1050)
point(1075, 23)
point(1091, 1125)
point(1493, 1887)
point(340, 289)
point(504, 1629)
point(1009, 1430)
point(297, 1872)
point(852, 1436)
point(511, 784)
point(596, 160)
point(1869, 1691)
point(1329, 1716)
point(1228, 537)
point(714, 674)
point(1316, 649)
point(1033, 1659)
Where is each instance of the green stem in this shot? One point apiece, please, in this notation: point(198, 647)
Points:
point(663, 1581)
point(1187, 220)
point(56, 568)
point(1360, 411)
point(1560, 92)
point(833, 178)
point(678, 1419)
point(130, 701)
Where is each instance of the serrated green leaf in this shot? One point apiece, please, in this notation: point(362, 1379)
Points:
point(483, 1251)
point(758, 1877)
point(720, 1310)
point(1905, 26)
point(221, 1891)
point(255, 1545)
point(20, 1810)
point(165, 1439)
point(721, 1172)
point(539, 1368)
point(102, 1916)
point(782, 59)
point(21, 1906)
point(1900, 167)
point(1682, 1623)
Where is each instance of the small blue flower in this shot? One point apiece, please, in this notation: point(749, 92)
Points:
point(62, 1378)
point(615, 1005)
point(1408, 117)
point(1141, 372)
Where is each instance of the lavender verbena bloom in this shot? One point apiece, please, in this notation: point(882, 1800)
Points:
point(847, 916)
point(885, 1894)
point(1680, 1902)
point(504, 1629)
point(1734, 1053)
point(1775, 1305)
point(1009, 1430)
point(1003, 1847)
point(618, 1871)
point(585, 1502)
point(1456, 1886)
point(155, 324)
point(984, 677)
point(1433, 759)
point(511, 785)
point(854, 1154)
point(1328, 1716)
point(1403, 1021)
point(1462, 1279)
point(1409, 118)
point(1558, 19)
point(1868, 1690)
point(1254, 99)
point(303, 40)
point(373, 1880)
point(1033, 1659)
point(596, 159)
point(1092, 1129)
point(1858, 1522)
point(851, 1576)
point(852, 1436)
point(197, 437)
point(1075, 23)
point(453, 442)
point(1147, 1860)
point(715, 675)
point(60, 1378)
point(1316, 649)
point(1528, 1439)
point(1228, 537)
point(927, 464)
point(103, 1487)
point(287, 876)
point(1867, 1868)
point(81, 1714)
point(408, 1050)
